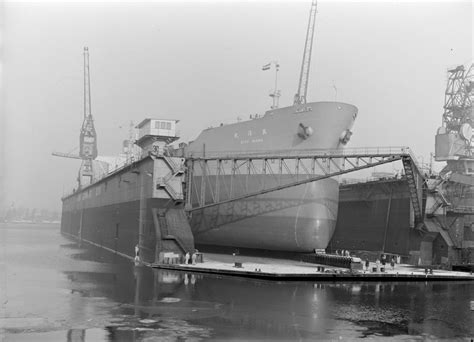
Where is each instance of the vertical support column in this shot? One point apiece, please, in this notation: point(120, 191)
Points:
point(280, 170)
point(247, 176)
point(218, 173)
point(81, 221)
point(297, 168)
point(158, 235)
point(264, 172)
point(189, 183)
point(142, 214)
point(203, 182)
point(232, 176)
point(387, 220)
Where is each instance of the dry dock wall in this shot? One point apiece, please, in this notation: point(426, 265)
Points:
point(129, 209)
point(375, 216)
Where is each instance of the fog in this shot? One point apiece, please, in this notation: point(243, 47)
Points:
point(200, 62)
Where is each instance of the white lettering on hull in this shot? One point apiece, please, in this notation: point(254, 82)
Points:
point(251, 133)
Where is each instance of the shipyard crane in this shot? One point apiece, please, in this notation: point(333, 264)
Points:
point(87, 136)
point(66, 155)
point(454, 139)
point(300, 96)
point(454, 143)
point(458, 114)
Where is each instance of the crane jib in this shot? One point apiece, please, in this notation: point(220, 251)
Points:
point(300, 96)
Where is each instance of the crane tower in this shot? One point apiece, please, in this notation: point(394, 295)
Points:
point(300, 96)
point(88, 136)
point(454, 139)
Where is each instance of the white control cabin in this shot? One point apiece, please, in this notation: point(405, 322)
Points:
point(154, 134)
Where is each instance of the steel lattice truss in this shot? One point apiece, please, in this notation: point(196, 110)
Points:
point(219, 187)
point(459, 99)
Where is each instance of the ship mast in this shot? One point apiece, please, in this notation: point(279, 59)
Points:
point(275, 94)
point(300, 96)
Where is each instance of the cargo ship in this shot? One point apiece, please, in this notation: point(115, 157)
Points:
point(302, 228)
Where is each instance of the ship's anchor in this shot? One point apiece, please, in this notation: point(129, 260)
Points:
point(304, 131)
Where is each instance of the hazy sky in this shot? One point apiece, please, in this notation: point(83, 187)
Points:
point(200, 62)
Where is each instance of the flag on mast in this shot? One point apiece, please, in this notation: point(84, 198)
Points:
point(266, 66)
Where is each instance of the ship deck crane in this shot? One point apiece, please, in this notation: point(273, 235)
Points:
point(300, 96)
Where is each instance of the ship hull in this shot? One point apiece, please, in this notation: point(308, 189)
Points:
point(296, 219)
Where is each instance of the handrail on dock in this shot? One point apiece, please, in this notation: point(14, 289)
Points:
point(366, 151)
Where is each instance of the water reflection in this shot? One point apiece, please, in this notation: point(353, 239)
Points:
point(76, 335)
point(174, 304)
point(100, 296)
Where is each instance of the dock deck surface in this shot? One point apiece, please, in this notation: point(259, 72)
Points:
point(284, 269)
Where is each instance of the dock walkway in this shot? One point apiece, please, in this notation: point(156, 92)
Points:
point(283, 269)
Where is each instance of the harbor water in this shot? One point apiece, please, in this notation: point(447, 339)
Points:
point(54, 289)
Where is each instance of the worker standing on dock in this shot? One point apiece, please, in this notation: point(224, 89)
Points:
point(367, 264)
point(186, 258)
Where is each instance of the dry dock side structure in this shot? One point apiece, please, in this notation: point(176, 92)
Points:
point(379, 217)
point(138, 209)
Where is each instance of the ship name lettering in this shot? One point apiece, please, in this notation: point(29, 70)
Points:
point(303, 109)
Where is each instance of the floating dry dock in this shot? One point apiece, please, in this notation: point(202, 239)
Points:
point(278, 269)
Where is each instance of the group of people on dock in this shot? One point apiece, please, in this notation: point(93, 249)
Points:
point(343, 252)
point(381, 262)
point(190, 258)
